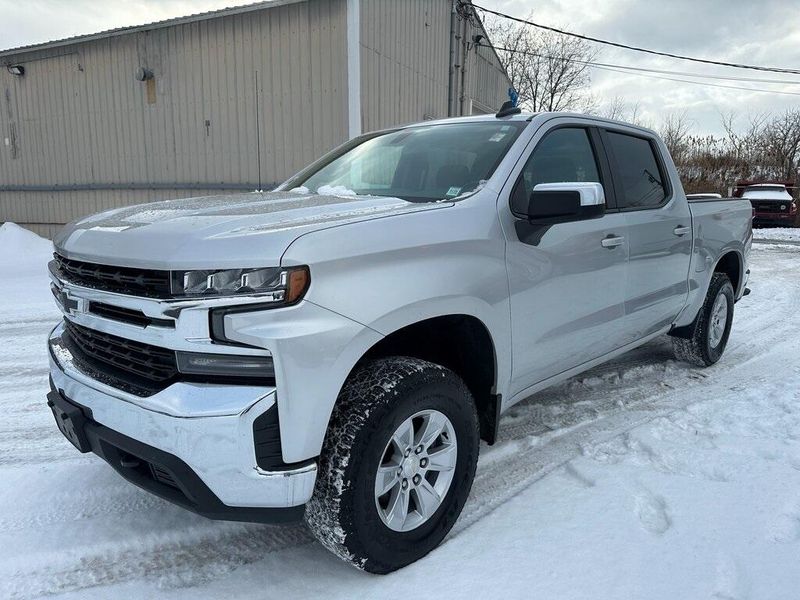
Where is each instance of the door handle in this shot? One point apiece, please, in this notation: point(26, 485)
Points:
point(612, 241)
point(681, 230)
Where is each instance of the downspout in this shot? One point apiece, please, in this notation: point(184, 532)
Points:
point(353, 68)
point(464, 58)
point(452, 92)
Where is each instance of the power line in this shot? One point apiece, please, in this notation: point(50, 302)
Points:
point(646, 70)
point(643, 72)
point(700, 75)
point(706, 83)
point(637, 48)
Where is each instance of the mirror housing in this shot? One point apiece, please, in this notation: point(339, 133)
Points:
point(566, 201)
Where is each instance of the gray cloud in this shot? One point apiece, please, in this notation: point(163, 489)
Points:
point(760, 32)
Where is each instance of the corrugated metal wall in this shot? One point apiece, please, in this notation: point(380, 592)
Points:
point(266, 83)
point(405, 48)
point(405, 63)
point(486, 81)
point(237, 102)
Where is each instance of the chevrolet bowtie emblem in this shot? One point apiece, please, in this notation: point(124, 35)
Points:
point(69, 304)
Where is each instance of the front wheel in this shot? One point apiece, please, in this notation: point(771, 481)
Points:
point(712, 327)
point(397, 464)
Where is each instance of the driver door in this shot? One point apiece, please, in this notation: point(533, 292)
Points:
point(567, 280)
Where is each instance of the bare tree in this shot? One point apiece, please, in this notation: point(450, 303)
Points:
point(675, 132)
point(619, 110)
point(548, 70)
point(781, 142)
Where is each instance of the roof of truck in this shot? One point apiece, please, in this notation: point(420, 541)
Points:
point(529, 116)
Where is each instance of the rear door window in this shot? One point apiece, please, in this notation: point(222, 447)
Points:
point(637, 173)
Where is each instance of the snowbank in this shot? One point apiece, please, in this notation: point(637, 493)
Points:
point(780, 234)
point(23, 266)
point(22, 250)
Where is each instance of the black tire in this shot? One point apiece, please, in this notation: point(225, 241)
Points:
point(698, 349)
point(373, 403)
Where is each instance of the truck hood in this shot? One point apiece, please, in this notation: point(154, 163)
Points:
point(233, 231)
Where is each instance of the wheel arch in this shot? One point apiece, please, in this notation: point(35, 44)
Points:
point(731, 263)
point(462, 343)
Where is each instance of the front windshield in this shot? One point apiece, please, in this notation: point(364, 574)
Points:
point(418, 164)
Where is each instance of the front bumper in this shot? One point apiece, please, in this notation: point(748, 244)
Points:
point(774, 218)
point(207, 428)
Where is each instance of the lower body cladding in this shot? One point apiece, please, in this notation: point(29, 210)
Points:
point(207, 463)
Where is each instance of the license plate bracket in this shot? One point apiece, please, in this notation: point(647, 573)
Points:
point(70, 420)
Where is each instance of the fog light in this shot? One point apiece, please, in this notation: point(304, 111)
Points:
point(199, 363)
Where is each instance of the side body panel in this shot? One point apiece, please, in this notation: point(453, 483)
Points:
point(719, 227)
point(567, 290)
point(390, 273)
point(660, 253)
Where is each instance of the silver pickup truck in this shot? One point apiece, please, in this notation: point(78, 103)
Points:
point(335, 350)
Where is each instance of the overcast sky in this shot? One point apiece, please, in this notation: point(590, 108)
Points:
point(762, 32)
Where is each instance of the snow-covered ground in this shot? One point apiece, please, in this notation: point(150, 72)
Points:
point(644, 478)
point(778, 234)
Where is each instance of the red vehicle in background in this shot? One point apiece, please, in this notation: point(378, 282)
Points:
point(773, 201)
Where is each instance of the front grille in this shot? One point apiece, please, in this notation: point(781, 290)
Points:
point(770, 207)
point(140, 368)
point(128, 315)
point(122, 280)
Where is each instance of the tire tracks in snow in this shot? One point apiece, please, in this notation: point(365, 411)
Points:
point(538, 436)
point(531, 449)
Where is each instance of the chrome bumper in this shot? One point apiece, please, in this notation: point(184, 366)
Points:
point(207, 426)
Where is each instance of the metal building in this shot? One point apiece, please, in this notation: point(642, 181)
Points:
point(236, 99)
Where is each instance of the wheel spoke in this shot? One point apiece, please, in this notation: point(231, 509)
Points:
point(397, 511)
point(386, 479)
point(442, 459)
point(404, 436)
point(431, 429)
point(428, 500)
point(425, 445)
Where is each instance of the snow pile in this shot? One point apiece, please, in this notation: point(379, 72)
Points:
point(22, 251)
point(23, 266)
point(779, 234)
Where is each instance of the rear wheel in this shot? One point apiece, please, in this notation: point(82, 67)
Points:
point(397, 464)
point(712, 326)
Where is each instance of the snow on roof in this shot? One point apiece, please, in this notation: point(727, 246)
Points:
point(204, 16)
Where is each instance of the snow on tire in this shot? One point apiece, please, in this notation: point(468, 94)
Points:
point(377, 402)
point(712, 326)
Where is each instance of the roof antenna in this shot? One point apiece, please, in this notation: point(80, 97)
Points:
point(510, 106)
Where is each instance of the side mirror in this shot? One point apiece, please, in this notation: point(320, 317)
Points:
point(567, 201)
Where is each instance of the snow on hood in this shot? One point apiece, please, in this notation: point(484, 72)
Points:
point(239, 230)
point(767, 194)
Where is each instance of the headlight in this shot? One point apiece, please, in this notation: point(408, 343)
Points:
point(282, 286)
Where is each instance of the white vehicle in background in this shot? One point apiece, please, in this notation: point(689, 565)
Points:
point(772, 204)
